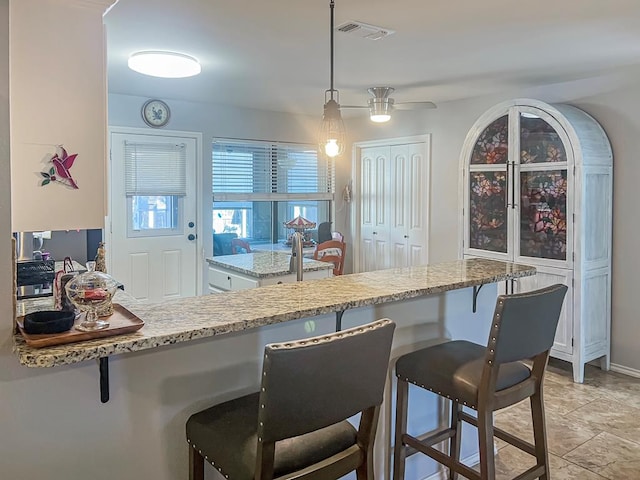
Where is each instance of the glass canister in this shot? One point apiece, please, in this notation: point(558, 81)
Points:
point(91, 292)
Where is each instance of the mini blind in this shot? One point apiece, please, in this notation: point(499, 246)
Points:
point(269, 168)
point(155, 169)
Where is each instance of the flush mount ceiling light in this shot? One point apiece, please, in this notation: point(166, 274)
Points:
point(332, 133)
point(164, 64)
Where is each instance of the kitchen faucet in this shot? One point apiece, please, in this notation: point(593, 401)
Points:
point(295, 263)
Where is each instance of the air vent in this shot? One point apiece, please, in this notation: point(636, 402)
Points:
point(364, 30)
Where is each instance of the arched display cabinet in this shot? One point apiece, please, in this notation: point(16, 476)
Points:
point(537, 189)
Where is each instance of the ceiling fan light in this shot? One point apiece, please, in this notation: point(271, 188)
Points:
point(164, 64)
point(380, 118)
point(380, 109)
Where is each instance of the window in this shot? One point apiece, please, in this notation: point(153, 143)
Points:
point(155, 185)
point(257, 186)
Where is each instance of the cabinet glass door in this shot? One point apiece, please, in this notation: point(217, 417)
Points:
point(488, 210)
point(543, 214)
point(492, 146)
point(487, 225)
point(539, 141)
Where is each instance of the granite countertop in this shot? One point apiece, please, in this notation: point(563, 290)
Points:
point(222, 313)
point(264, 264)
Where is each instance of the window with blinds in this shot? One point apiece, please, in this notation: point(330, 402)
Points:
point(155, 169)
point(257, 186)
point(243, 168)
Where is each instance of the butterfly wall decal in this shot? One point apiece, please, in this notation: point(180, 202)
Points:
point(61, 170)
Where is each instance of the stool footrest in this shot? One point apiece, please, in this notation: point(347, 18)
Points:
point(502, 435)
point(429, 439)
point(440, 457)
point(532, 473)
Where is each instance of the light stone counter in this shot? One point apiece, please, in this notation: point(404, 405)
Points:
point(211, 315)
point(264, 264)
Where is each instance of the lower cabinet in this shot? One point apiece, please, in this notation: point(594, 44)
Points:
point(221, 280)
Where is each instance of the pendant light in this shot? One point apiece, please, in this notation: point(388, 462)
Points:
point(332, 134)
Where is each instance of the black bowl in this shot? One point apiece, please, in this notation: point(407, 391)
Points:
point(49, 321)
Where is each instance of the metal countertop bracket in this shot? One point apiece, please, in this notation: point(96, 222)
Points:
point(476, 291)
point(103, 366)
point(339, 314)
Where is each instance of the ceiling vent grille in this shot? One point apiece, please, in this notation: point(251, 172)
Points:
point(364, 30)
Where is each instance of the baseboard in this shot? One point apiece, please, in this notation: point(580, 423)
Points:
point(441, 474)
point(632, 372)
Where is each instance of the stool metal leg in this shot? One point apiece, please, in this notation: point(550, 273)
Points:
point(454, 443)
point(539, 432)
point(196, 465)
point(399, 450)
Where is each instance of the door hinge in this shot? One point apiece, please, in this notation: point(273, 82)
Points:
point(573, 282)
point(572, 342)
point(574, 218)
point(573, 256)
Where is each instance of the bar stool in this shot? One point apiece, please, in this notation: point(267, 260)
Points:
point(296, 425)
point(484, 379)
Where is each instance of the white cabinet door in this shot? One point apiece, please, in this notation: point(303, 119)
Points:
point(374, 228)
point(546, 276)
point(226, 280)
point(58, 96)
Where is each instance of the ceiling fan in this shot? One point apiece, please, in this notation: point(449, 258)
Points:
point(381, 105)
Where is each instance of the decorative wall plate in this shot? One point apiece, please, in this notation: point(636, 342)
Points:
point(156, 113)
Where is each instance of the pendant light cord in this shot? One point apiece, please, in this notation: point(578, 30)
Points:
point(332, 5)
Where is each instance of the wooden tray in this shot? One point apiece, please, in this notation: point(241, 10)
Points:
point(122, 321)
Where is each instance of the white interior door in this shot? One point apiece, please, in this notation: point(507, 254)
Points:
point(153, 230)
point(409, 203)
point(374, 209)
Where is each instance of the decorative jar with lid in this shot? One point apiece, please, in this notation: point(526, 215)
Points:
point(91, 291)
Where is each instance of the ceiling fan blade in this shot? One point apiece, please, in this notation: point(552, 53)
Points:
point(353, 106)
point(411, 105)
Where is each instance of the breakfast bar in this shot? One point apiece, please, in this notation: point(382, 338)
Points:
point(192, 318)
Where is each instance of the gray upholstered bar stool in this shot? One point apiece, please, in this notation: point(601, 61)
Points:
point(296, 425)
point(485, 379)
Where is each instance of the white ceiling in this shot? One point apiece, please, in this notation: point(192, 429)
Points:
point(274, 54)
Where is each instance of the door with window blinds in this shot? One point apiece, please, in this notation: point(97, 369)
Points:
point(153, 214)
point(394, 192)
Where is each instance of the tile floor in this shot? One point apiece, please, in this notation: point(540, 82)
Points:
point(593, 429)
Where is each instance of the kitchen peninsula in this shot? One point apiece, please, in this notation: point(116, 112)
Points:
point(161, 387)
point(258, 269)
point(197, 317)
